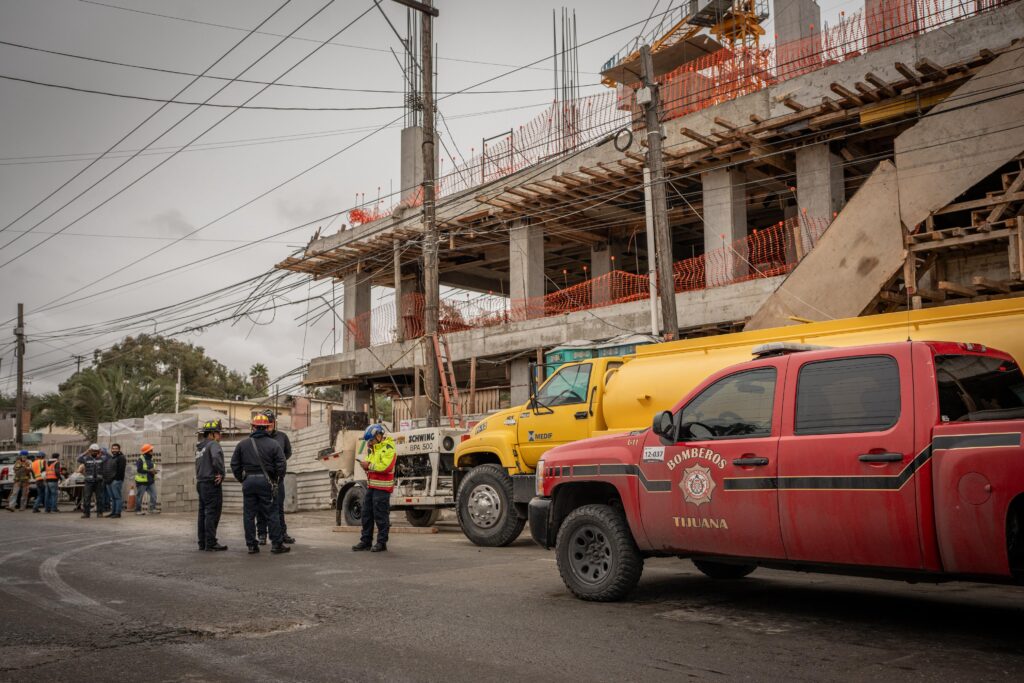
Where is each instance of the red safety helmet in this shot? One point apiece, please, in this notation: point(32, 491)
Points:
point(260, 420)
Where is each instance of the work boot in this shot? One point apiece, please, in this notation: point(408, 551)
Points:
point(202, 547)
point(280, 548)
point(263, 540)
point(86, 516)
point(215, 547)
point(37, 511)
point(287, 539)
point(361, 546)
point(253, 549)
point(379, 548)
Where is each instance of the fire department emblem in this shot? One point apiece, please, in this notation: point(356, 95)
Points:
point(697, 485)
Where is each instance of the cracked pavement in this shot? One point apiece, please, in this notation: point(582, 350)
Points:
point(100, 598)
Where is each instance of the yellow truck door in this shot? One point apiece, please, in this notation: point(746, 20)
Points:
point(560, 414)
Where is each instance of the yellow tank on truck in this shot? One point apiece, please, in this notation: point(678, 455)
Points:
point(494, 478)
point(660, 374)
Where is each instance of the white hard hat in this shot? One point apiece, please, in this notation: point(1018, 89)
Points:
point(94, 447)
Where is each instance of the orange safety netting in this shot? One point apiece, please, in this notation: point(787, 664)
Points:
point(728, 74)
point(764, 253)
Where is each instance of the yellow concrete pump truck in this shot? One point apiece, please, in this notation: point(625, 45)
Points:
point(494, 468)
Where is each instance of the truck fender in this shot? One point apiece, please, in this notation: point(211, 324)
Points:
point(621, 493)
point(488, 456)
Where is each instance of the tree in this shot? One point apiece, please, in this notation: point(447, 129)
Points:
point(259, 377)
point(103, 394)
point(151, 358)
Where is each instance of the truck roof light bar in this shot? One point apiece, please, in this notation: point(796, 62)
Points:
point(782, 348)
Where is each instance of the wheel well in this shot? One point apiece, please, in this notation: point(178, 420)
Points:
point(568, 497)
point(479, 458)
point(1015, 536)
point(468, 462)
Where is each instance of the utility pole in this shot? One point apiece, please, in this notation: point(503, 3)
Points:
point(652, 258)
point(19, 350)
point(432, 293)
point(648, 97)
point(177, 393)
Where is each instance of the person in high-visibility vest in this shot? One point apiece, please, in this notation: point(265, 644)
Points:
point(380, 482)
point(52, 480)
point(39, 476)
point(145, 479)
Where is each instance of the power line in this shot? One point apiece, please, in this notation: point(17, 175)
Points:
point(276, 35)
point(301, 86)
point(143, 98)
point(137, 127)
point(205, 131)
point(49, 305)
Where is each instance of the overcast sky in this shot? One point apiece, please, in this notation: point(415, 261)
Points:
point(48, 135)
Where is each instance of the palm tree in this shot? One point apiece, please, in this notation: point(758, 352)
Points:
point(103, 395)
point(260, 377)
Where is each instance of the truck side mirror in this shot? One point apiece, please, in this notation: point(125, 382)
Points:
point(664, 425)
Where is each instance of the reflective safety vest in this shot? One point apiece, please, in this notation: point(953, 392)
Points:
point(39, 470)
point(381, 472)
point(143, 476)
point(51, 470)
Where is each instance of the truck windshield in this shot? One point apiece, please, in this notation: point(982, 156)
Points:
point(566, 387)
point(976, 388)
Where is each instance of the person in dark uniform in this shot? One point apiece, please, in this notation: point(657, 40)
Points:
point(209, 475)
point(258, 462)
point(286, 445)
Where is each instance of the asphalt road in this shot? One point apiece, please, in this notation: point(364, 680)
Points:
point(132, 599)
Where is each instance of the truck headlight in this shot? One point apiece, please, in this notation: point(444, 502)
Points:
point(540, 477)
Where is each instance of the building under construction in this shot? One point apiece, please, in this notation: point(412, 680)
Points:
point(822, 173)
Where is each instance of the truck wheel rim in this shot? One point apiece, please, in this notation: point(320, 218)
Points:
point(356, 508)
point(590, 554)
point(484, 506)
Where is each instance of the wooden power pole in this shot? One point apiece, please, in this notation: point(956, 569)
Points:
point(19, 350)
point(431, 285)
point(648, 97)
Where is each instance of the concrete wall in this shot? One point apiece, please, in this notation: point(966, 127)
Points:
point(703, 307)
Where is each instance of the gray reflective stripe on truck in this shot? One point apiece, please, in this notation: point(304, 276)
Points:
point(616, 470)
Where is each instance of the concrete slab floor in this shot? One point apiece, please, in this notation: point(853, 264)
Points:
point(102, 599)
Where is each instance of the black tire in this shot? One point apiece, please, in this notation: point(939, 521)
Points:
point(349, 510)
point(422, 517)
point(484, 507)
point(723, 570)
point(596, 554)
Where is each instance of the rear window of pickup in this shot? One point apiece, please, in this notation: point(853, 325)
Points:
point(976, 388)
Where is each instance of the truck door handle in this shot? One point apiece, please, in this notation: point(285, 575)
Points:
point(751, 461)
point(581, 415)
point(881, 457)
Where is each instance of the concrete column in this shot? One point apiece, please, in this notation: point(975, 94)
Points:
point(399, 309)
point(356, 311)
point(526, 269)
point(725, 224)
point(797, 36)
point(355, 397)
point(411, 161)
point(604, 258)
point(820, 191)
point(519, 392)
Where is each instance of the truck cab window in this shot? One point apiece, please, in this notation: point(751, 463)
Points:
point(848, 395)
point(566, 387)
point(976, 388)
point(736, 406)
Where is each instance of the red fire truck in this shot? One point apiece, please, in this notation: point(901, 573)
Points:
point(893, 460)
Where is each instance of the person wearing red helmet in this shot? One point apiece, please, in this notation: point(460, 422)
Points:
point(286, 446)
point(258, 463)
